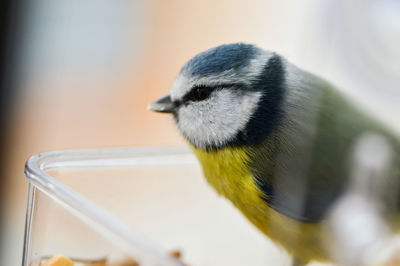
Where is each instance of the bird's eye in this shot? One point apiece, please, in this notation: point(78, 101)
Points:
point(198, 93)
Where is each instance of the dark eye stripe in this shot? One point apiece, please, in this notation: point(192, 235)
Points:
point(202, 92)
point(198, 93)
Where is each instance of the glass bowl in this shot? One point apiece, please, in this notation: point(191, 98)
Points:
point(100, 207)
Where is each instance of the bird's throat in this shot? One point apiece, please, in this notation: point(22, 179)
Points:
point(228, 171)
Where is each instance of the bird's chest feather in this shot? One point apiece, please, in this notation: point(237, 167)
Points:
point(228, 171)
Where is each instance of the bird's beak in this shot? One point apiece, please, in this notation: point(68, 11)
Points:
point(162, 105)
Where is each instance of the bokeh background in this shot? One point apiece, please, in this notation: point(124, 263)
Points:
point(84, 71)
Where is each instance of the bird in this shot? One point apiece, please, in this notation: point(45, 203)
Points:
point(272, 138)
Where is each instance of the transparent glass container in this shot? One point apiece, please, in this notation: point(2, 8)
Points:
point(106, 205)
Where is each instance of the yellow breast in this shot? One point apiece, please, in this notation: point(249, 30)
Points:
point(228, 171)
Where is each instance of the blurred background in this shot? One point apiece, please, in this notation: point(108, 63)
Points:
point(79, 74)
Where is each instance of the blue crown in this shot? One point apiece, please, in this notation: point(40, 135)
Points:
point(221, 58)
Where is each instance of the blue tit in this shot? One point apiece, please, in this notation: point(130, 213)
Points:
point(270, 137)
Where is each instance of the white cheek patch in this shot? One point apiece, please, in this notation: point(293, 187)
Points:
point(217, 120)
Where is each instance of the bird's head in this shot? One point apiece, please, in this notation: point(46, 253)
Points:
point(228, 95)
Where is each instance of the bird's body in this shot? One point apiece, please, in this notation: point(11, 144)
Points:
point(273, 139)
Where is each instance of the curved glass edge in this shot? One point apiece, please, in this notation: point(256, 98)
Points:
point(106, 224)
point(28, 223)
